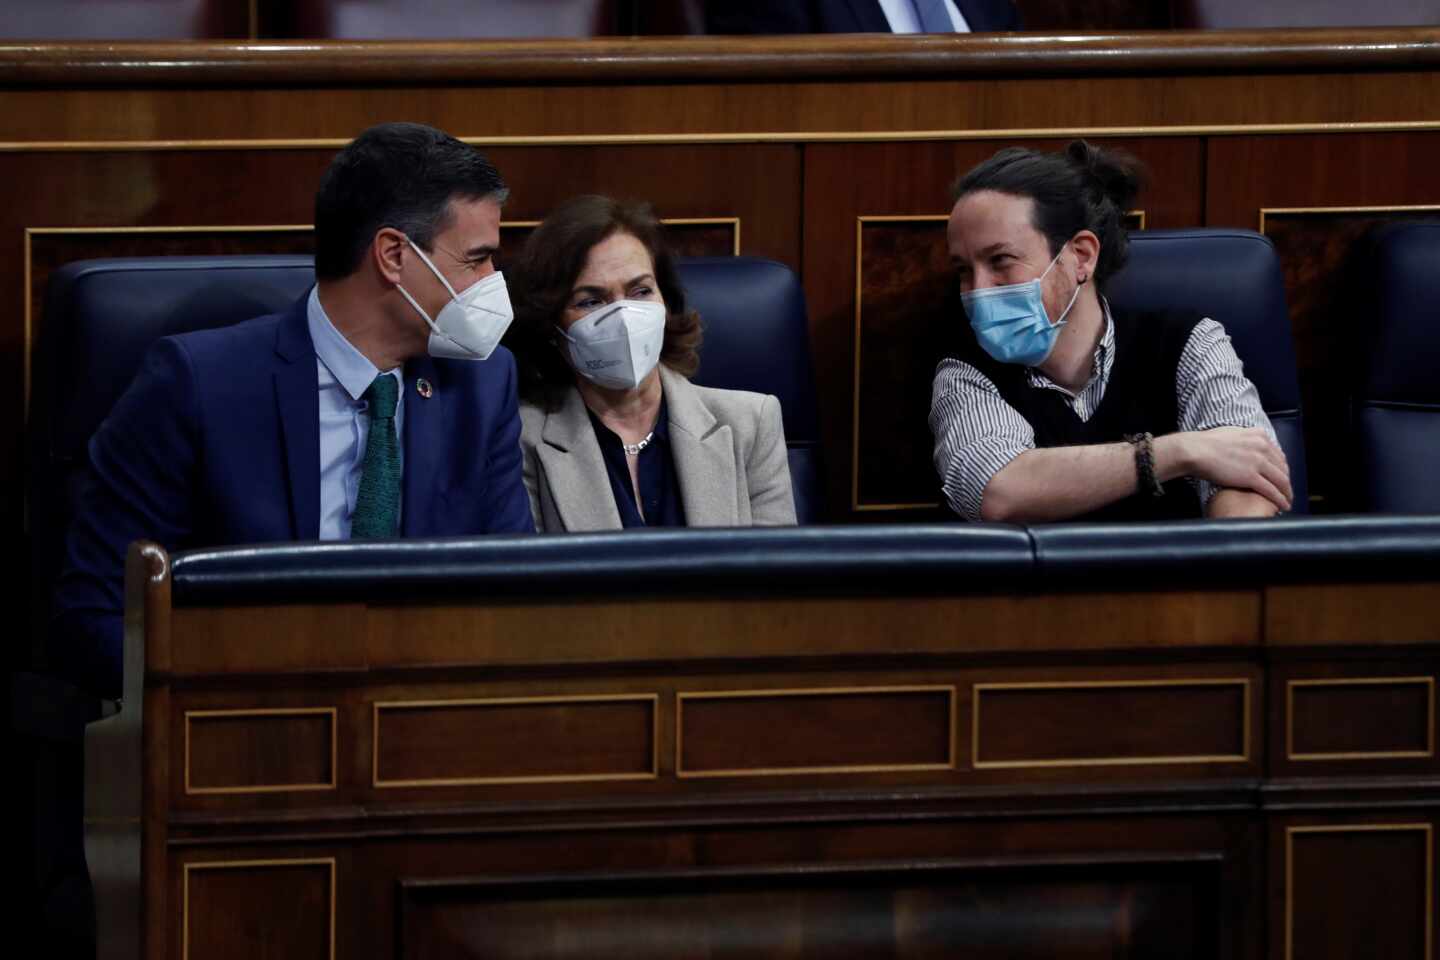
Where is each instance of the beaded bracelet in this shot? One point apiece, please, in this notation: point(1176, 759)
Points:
point(1145, 462)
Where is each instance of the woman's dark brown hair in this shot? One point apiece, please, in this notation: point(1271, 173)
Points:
point(541, 282)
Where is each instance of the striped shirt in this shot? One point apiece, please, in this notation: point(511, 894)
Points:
point(977, 433)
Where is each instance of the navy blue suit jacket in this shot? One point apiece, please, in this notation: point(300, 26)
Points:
point(217, 441)
point(838, 16)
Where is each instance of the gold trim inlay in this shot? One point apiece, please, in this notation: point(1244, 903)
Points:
point(653, 699)
point(1427, 682)
point(1422, 828)
point(1291, 211)
point(750, 136)
point(860, 222)
point(249, 865)
point(733, 222)
point(979, 688)
point(681, 697)
point(192, 791)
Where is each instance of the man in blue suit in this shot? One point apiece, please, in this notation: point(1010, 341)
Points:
point(378, 405)
point(859, 16)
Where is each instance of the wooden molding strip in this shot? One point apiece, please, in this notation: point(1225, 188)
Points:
point(705, 58)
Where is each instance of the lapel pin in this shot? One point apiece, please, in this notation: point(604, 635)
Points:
point(422, 387)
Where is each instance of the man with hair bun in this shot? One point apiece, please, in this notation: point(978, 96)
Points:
point(1053, 405)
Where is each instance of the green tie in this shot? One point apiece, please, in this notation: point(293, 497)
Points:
point(377, 505)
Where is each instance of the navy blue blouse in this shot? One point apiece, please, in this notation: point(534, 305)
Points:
point(659, 484)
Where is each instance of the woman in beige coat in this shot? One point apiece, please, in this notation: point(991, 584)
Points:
point(613, 433)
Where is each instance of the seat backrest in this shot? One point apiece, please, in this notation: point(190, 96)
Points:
point(100, 318)
point(1234, 277)
point(757, 338)
point(1397, 415)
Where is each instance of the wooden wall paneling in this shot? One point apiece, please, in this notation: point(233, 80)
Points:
point(1353, 718)
point(858, 729)
point(1060, 723)
point(757, 185)
point(504, 740)
point(1315, 196)
point(275, 906)
point(535, 88)
point(283, 640)
point(1327, 616)
point(1361, 886)
point(875, 359)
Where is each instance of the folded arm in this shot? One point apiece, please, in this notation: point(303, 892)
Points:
point(991, 470)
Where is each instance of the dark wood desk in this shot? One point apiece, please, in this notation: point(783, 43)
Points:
point(1221, 772)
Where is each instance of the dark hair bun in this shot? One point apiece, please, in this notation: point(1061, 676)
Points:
point(1113, 174)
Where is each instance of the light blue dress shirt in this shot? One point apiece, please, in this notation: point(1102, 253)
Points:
point(903, 16)
point(345, 375)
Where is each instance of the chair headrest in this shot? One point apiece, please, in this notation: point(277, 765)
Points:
point(102, 315)
point(1231, 276)
point(1405, 341)
point(756, 334)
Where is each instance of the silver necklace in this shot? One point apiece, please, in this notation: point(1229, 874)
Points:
point(634, 448)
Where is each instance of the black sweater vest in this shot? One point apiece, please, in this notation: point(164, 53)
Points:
point(1140, 398)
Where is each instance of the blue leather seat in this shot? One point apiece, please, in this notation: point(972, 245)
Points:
point(1397, 416)
point(1234, 277)
point(757, 337)
point(100, 318)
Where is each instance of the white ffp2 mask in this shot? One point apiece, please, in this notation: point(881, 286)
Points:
point(470, 326)
point(617, 345)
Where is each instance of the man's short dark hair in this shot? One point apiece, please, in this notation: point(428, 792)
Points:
point(1083, 188)
point(400, 175)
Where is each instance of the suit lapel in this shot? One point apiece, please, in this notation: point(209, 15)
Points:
point(704, 456)
point(575, 470)
point(297, 404)
point(428, 437)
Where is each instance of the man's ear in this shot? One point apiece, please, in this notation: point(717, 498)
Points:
point(1087, 254)
point(387, 251)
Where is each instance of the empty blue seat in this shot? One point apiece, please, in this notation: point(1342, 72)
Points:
point(1397, 416)
point(757, 337)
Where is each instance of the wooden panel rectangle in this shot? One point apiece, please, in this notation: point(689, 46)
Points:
point(1111, 723)
point(836, 730)
point(259, 751)
point(259, 908)
point(431, 743)
point(1360, 890)
point(1363, 718)
point(1307, 615)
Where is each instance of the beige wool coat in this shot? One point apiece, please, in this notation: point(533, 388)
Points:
point(728, 447)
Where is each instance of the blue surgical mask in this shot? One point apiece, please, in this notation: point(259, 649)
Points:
point(1010, 322)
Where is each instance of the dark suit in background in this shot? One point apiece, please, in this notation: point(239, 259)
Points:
point(838, 16)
